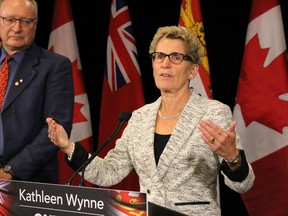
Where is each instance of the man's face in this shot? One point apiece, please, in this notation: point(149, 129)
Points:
point(17, 25)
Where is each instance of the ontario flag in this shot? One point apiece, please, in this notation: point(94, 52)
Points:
point(63, 41)
point(7, 200)
point(191, 17)
point(122, 84)
point(261, 109)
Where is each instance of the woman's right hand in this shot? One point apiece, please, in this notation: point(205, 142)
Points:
point(58, 136)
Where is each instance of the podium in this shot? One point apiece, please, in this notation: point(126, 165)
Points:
point(20, 198)
point(157, 210)
point(38, 199)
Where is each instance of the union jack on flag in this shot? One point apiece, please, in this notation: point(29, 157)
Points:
point(4, 186)
point(6, 199)
point(120, 43)
point(122, 84)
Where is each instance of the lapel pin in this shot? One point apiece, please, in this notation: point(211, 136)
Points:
point(18, 83)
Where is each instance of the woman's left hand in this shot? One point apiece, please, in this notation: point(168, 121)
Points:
point(221, 142)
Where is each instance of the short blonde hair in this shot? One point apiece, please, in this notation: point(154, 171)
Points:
point(191, 42)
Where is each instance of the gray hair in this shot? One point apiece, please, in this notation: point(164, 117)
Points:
point(33, 2)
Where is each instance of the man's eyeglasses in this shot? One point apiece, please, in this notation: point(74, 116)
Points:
point(25, 22)
point(174, 57)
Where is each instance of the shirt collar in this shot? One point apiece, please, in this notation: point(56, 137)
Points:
point(18, 56)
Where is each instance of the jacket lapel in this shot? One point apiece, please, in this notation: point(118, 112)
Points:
point(147, 152)
point(24, 75)
point(186, 125)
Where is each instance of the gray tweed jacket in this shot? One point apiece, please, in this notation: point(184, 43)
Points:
point(187, 171)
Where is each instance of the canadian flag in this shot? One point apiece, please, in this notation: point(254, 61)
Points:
point(63, 41)
point(191, 17)
point(261, 109)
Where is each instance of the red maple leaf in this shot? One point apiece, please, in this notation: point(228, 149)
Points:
point(78, 116)
point(259, 88)
point(79, 88)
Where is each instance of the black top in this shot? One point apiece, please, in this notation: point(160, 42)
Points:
point(160, 142)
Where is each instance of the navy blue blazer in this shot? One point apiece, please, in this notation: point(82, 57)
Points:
point(46, 90)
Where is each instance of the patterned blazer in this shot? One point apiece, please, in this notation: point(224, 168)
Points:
point(187, 171)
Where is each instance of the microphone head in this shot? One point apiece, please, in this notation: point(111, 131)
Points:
point(124, 116)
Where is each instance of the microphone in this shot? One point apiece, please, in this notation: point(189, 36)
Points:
point(122, 119)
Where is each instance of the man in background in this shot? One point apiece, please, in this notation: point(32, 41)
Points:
point(40, 84)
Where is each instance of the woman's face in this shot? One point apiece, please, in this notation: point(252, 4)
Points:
point(170, 77)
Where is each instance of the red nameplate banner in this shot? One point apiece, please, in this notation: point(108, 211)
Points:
point(39, 199)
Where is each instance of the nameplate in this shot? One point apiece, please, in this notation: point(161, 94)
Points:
point(39, 199)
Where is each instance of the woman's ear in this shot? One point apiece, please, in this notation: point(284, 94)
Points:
point(194, 71)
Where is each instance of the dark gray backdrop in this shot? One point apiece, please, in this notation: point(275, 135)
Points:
point(225, 24)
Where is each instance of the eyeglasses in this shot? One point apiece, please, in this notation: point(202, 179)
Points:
point(175, 57)
point(25, 22)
